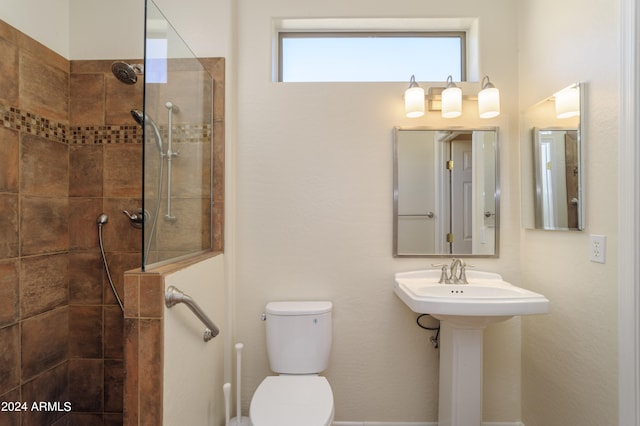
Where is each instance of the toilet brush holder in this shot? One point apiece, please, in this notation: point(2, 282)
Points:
point(239, 420)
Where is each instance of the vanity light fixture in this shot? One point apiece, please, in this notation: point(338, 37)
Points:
point(488, 99)
point(451, 100)
point(448, 99)
point(414, 99)
point(568, 103)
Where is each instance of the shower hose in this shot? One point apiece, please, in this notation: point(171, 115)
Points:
point(102, 219)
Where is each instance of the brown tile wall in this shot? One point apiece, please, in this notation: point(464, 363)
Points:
point(105, 175)
point(64, 159)
point(216, 67)
point(34, 237)
point(143, 349)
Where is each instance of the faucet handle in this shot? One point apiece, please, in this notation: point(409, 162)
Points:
point(463, 274)
point(444, 276)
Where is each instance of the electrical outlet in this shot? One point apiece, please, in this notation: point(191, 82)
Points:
point(597, 248)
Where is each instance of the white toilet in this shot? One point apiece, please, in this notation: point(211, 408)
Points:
point(298, 347)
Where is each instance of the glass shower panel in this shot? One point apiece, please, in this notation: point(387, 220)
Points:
point(178, 108)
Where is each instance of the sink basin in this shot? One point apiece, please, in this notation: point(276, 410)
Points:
point(486, 295)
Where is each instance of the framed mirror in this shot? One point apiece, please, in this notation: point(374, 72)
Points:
point(445, 192)
point(552, 162)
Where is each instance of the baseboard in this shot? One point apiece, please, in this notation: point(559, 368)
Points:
point(418, 424)
point(385, 423)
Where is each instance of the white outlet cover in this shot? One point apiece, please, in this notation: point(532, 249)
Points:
point(597, 248)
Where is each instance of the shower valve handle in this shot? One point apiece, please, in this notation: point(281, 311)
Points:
point(136, 219)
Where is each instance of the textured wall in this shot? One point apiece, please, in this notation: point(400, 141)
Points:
point(570, 359)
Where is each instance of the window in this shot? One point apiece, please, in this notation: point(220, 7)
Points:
point(370, 56)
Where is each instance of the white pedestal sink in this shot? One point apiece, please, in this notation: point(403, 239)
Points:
point(464, 310)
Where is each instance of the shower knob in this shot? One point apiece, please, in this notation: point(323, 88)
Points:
point(136, 219)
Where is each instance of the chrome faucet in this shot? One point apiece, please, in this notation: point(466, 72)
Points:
point(454, 273)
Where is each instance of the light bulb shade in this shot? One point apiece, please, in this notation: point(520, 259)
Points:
point(489, 102)
point(452, 102)
point(568, 103)
point(414, 102)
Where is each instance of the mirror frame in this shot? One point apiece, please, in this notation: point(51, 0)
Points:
point(496, 252)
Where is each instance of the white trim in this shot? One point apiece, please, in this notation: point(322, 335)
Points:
point(385, 423)
point(628, 221)
point(418, 424)
point(373, 24)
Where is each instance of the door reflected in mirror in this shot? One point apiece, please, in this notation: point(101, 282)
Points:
point(557, 178)
point(445, 192)
point(551, 162)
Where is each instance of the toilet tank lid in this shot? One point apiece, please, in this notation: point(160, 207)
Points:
point(298, 307)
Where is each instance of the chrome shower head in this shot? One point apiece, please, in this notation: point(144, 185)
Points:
point(126, 73)
point(138, 116)
point(102, 219)
point(142, 119)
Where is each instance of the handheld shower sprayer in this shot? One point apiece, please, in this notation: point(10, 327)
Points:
point(142, 119)
point(102, 219)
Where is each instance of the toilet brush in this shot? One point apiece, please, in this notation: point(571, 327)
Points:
point(239, 420)
point(226, 389)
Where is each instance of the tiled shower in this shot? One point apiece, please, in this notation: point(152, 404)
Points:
point(69, 150)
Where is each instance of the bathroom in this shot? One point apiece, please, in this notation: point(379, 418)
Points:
point(308, 207)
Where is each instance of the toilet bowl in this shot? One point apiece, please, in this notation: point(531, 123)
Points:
point(292, 401)
point(298, 347)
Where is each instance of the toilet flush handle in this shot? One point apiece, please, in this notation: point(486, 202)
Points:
point(263, 317)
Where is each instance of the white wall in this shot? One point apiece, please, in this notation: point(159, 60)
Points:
point(193, 368)
point(570, 356)
point(111, 29)
point(44, 21)
point(205, 25)
point(314, 214)
point(114, 29)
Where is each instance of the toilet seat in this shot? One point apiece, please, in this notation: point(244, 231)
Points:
point(292, 401)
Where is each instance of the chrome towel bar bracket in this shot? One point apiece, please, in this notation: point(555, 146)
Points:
point(173, 296)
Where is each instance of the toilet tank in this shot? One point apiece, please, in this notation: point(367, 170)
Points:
point(298, 336)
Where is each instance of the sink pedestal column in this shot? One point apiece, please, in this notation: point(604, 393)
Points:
point(460, 393)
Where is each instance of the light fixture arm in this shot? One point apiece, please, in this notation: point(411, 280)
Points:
point(412, 81)
point(486, 83)
point(450, 82)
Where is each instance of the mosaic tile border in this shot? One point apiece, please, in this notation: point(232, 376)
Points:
point(16, 119)
point(190, 132)
point(85, 135)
